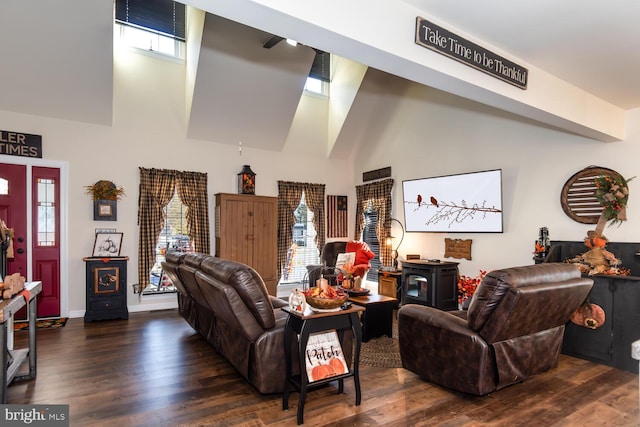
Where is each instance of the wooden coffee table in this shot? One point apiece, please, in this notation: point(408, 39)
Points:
point(377, 319)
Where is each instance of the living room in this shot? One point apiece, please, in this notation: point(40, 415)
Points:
point(139, 118)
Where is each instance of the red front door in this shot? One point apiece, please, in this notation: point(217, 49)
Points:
point(43, 253)
point(13, 211)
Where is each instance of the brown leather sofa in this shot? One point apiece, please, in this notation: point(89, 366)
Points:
point(512, 330)
point(228, 304)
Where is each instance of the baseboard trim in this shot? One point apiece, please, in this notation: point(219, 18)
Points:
point(169, 305)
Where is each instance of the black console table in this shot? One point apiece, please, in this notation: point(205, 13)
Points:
point(430, 283)
point(619, 297)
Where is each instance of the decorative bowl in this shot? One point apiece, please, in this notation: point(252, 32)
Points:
point(326, 303)
point(357, 292)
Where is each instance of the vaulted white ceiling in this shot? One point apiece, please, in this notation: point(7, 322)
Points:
point(54, 68)
point(592, 44)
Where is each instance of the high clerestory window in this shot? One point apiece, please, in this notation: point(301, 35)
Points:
point(320, 74)
point(152, 25)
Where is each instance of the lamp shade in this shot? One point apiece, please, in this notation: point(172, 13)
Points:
point(246, 181)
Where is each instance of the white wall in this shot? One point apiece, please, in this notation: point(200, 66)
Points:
point(431, 133)
point(149, 131)
point(421, 132)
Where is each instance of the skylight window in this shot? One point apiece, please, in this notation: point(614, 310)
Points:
point(316, 86)
point(152, 25)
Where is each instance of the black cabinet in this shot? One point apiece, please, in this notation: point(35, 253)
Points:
point(430, 283)
point(106, 284)
point(619, 297)
point(610, 344)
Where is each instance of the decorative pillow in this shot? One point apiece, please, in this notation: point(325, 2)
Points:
point(363, 253)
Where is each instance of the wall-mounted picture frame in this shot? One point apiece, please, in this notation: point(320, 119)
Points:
point(106, 280)
point(105, 210)
point(461, 203)
point(107, 245)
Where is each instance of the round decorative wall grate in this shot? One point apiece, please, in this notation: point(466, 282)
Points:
point(578, 197)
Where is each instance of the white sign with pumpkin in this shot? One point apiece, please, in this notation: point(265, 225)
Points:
point(324, 357)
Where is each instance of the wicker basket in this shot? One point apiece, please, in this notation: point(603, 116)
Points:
point(326, 303)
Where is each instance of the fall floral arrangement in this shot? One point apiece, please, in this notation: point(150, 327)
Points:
point(613, 193)
point(467, 286)
point(104, 190)
point(347, 271)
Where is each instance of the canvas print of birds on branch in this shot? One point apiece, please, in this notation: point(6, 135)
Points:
point(463, 203)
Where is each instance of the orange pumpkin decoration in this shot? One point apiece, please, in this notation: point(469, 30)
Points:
point(321, 372)
point(337, 366)
point(589, 315)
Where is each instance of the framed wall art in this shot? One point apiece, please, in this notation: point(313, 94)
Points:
point(463, 203)
point(105, 210)
point(106, 280)
point(107, 245)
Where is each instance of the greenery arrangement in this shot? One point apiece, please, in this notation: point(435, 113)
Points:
point(613, 193)
point(104, 190)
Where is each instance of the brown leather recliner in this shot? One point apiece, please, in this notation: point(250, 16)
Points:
point(513, 329)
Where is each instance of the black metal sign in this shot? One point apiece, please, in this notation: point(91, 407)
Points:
point(20, 144)
point(447, 43)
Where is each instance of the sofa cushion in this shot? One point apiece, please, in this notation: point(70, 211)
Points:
point(195, 259)
point(247, 283)
point(174, 257)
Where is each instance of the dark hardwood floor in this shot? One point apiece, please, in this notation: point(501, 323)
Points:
point(154, 370)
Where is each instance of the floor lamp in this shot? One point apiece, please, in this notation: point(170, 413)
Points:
point(394, 252)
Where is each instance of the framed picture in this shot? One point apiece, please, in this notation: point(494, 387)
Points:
point(462, 203)
point(105, 210)
point(106, 280)
point(107, 244)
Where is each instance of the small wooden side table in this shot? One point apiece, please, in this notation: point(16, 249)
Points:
point(390, 283)
point(377, 320)
point(305, 324)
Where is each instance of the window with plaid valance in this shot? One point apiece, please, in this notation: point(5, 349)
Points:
point(289, 195)
point(376, 195)
point(157, 187)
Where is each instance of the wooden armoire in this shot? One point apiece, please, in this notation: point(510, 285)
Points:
point(246, 231)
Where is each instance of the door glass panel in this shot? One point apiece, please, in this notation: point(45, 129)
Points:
point(4, 187)
point(46, 212)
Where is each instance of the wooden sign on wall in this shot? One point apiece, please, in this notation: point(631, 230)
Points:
point(445, 42)
point(457, 248)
